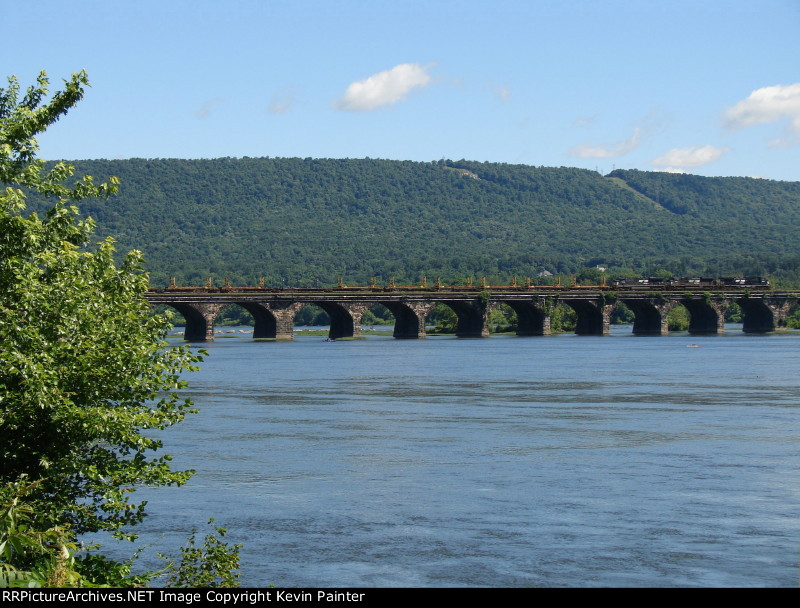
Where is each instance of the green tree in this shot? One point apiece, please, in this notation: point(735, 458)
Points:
point(678, 318)
point(214, 564)
point(85, 372)
point(444, 319)
point(563, 319)
point(589, 276)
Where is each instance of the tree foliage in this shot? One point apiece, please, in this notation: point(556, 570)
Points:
point(85, 373)
point(214, 564)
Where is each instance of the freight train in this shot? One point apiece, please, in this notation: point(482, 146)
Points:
point(690, 282)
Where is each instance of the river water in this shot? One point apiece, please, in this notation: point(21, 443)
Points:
point(551, 461)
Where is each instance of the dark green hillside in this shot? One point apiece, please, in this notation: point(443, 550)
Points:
point(308, 221)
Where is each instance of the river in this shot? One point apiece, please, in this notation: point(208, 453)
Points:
point(552, 461)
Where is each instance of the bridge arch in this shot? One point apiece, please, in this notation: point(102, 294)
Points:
point(763, 315)
point(472, 318)
point(649, 315)
point(377, 314)
point(409, 318)
point(267, 323)
point(706, 316)
point(273, 320)
point(199, 319)
point(502, 318)
point(533, 317)
point(345, 317)
point(594, 316)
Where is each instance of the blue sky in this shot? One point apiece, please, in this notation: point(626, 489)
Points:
point(708, 87)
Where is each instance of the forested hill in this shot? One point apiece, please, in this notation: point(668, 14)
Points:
point(309, 221)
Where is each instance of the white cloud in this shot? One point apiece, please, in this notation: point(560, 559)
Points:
point(384, 88)
point(618, 149)
point(693, 156)
point(502, 92)
point(282, 100)
point(766, 105)
point(207, 107)
point(584, 121)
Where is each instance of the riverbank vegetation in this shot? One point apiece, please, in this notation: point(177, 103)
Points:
point(85, 375)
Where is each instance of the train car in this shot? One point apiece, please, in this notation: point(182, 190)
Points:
point(695, 282)
point(689, 282)
point(186, 289)
point(631, 282)
point(246, 289)
point(743, 282)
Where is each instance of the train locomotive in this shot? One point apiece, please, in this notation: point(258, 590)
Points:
point(690, 282)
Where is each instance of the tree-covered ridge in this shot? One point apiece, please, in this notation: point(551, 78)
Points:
point(308, 221)
point(740, 199)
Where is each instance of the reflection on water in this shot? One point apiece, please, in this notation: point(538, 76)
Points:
point(561, 460)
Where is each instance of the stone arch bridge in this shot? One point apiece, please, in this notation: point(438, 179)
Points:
point(274, 310)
